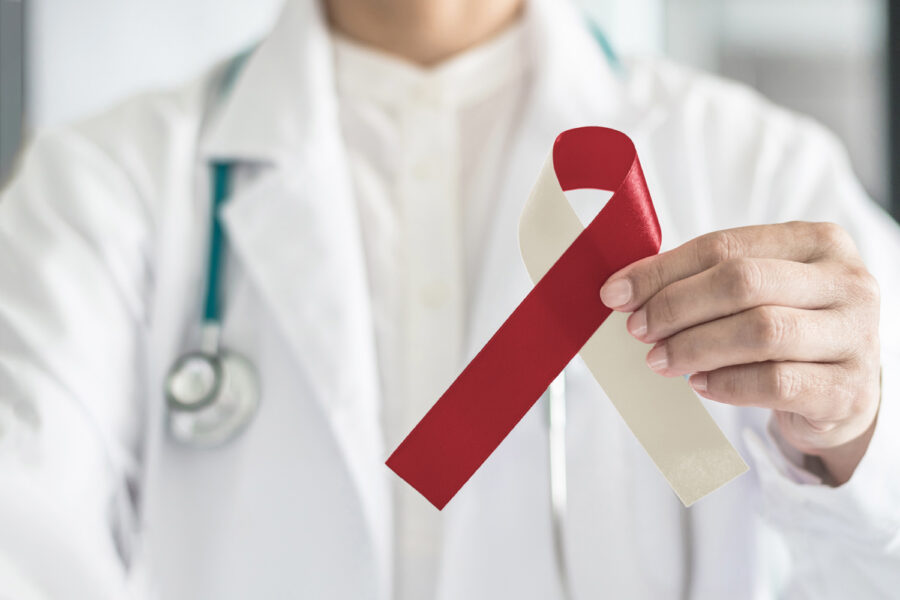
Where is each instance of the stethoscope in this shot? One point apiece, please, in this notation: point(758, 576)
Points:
point(212, 393)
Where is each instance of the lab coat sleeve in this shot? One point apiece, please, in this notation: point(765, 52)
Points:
point(844, 541)
point(74, 241)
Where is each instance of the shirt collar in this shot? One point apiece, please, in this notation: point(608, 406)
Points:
point(370, 74)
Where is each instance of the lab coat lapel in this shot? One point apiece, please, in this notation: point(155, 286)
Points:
point(294, 230)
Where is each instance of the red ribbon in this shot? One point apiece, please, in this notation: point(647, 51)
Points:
point(546, 330)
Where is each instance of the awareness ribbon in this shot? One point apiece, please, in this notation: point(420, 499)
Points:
point(561, 317)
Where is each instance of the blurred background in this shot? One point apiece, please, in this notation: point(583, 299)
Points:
point(836, 60)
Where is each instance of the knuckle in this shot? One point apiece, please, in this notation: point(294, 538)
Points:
point(845, 400)
point(784, 382)
point(646, 281)
point(865, 287)
point(831, 236)
point(741, 279)
point(858, 387)
point(716, 247)
point(834, 394)
point(858, 293)
point(729, 383)
point(682, 351)
point(655, 280)
point(661, 310)
point(831, 232)
point(768, 327)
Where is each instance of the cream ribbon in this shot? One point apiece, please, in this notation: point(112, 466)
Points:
point(664, 414)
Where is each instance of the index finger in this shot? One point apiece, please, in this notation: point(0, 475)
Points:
point(629, 288)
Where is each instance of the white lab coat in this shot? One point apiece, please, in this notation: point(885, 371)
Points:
point(102, 259)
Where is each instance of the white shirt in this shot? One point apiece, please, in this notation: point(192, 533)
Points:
point(426, 149)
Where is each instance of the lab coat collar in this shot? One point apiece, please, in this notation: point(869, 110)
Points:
point(280, 105)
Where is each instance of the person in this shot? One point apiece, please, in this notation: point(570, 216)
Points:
point(381, 153)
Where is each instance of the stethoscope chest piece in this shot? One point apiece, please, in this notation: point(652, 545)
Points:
point(211, 398)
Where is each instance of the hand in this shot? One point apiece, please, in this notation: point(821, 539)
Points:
point(778, 316)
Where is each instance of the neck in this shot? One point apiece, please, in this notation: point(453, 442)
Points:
point(422, 31)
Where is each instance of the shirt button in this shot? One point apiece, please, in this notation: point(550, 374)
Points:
point(427, 169)
point(434, 295)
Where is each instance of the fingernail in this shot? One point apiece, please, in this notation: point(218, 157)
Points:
point(637, 323)
point(658, 358)
point(698, 381)
point(616, 293)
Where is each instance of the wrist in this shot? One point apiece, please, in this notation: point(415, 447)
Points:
point(837, 464)
point(834, 463)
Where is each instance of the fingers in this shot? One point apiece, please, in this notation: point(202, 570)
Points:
point(731, 287)
point(763, 333)
point(812, 390)
point(631, 287)
point(781, 316)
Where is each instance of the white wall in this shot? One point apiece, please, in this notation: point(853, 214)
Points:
point(823, 58)
point(85, 54)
